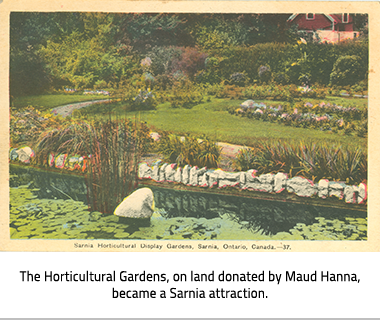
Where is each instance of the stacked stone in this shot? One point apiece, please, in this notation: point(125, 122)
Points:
point(270, 183)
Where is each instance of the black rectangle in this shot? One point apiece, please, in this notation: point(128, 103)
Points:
point(189, 284)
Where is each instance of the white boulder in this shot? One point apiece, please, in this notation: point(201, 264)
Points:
point(362, 197)
point(280, 182)
point(140, 205)
point(161, 174)
point(145, 171)
point(323, 188)
point(350, 194)
point(228, 179)
point(186, 174)
point(156, 172)
point(178, 175)
point(24, 154)
point(193, 178)
point(301, 186)
point(336, 189)
point(169, 172)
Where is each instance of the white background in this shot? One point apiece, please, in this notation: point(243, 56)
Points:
point(94, 300)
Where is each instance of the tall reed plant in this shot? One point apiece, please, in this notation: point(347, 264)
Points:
point(112, 174)
point(112, 149)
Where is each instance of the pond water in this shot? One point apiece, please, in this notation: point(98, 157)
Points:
point(46, 205)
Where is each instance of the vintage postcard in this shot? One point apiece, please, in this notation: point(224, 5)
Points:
point(210, 126)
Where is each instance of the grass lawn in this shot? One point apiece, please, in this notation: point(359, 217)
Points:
point(211, 119)
point(45, 102)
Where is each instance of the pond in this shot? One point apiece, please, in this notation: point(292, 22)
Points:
point(46, 205)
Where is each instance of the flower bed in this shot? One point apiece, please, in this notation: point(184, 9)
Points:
point(326, 117)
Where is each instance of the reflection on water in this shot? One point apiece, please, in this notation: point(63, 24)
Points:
point(47, 205)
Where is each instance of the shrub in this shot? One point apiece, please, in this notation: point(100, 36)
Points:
point(189, 151)
point(230, 91)
point(27, 124)
point(264, 73)
point(238, 79)
point(190, 62)
point(185, 95)
point(281, 78)
point(100, 84)
point(144, 100)
point(163, 58)
point(347, 70)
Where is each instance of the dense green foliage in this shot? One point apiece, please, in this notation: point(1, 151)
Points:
point(189, 151)
point(158, 64)
point(50, 51)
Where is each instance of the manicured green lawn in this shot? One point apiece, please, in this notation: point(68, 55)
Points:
point(211, 119)
point(342, 101)
point(43, 102)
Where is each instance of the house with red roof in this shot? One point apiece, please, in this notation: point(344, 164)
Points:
point(330, 28)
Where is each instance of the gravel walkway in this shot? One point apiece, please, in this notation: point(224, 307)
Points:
point(66, 110)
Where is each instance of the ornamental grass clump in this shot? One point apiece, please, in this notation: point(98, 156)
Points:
point(189, 151)
point(309, 160)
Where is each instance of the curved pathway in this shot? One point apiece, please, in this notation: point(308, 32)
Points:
point(67, 110)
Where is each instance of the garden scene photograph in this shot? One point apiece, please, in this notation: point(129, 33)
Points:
point(188, 126)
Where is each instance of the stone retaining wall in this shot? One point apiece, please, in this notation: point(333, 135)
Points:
point(203, 177)
point(270, 183)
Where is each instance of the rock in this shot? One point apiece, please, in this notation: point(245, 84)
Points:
point(161, 174)
point(178, 175)
point(60, 161)
point(228, 179)
point(204, 180)
point(213, 177)
point(13, 155)
point(280, 182)
point(350, 194)
point(301, 186)
point(24, 154)
point(51, 160)
point(169, 172)
point(193, 176)
point(144, 171)
point(185, 174)
point(202, 177)
point(262, 183)
point(140, 205)
point(323, 188)
point(336, 189)
point(156, 172)
point(242, 180)
point(362, 196)
point(266, 182)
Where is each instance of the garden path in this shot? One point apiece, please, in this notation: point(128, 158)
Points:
point(66, 110)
